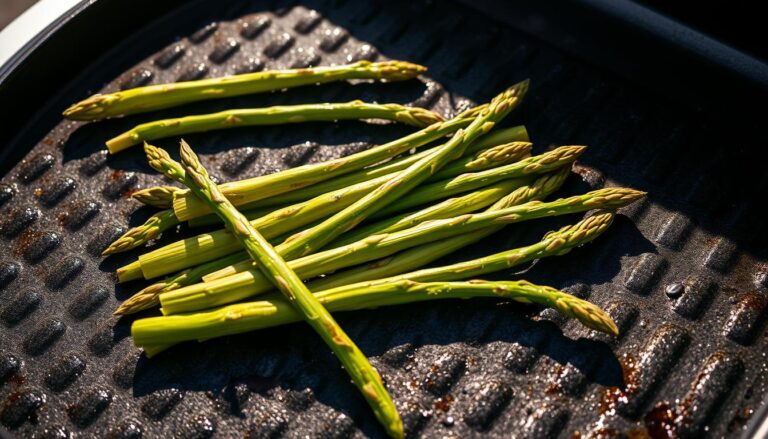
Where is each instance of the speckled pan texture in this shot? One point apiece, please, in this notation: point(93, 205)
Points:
point(684, 273)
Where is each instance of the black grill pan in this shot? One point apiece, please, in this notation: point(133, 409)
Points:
point(684, 273)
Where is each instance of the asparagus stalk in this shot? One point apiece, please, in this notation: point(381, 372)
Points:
point(237, 262)
point(311, 240)
point(450, 207)
point(276, 115)
point(490, 147)
point(158, 333)
point(365, 377)
point(542, 187)
point(148, 297)
point(157, 196)
point(155, 97)
point(341, 198)
point(204, 247)
point(485, 159)
point(420, 256)
point(526, 167)
point(251, 282)
point(446, 209)
point(243, 192)
point(484, 197)
point(553, 244)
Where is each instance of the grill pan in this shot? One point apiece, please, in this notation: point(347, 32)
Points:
point(684, 274)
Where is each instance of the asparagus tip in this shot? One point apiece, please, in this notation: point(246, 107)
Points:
point(90, 108)
point(158, 196)
point(144, 299)
point(399, 70)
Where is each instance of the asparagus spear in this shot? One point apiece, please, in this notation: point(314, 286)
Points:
point(416, 257)
point(400, 263)
point(449, 208)
point(365, 377)
point(157, 196)
point(148, 297)
point(251, 282)
point(205, 247)
point(485, 159)
point(276, 115)
point(236, 262)
point(159, 333)
point(242, 192)
point(553, 244)
point(132, 239)
point(309, 241)
point(526, 167)
point(155, 97)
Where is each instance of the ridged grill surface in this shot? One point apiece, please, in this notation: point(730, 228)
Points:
point(684, 273)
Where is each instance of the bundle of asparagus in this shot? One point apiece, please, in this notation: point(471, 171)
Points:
point(345, 234)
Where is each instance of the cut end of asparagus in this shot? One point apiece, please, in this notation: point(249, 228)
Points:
point(122, 142)
point(151, 351)
point(129, 272)
point(158, 196)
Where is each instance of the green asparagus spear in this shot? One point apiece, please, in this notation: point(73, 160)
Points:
point(311, 240)
point(447, 209)
point(158, 333)
point(155, 97)
point(243, 192)
point(132, 239)
point(276, 115)
point(205, 247)
point(157, 196)
point(485, 159)
point(553, 244)
point(148, 231)
point(148, 297)
point(365, 377)
point(236, 262)
point(422, 255)
point(251, 282)
point(427, 194)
